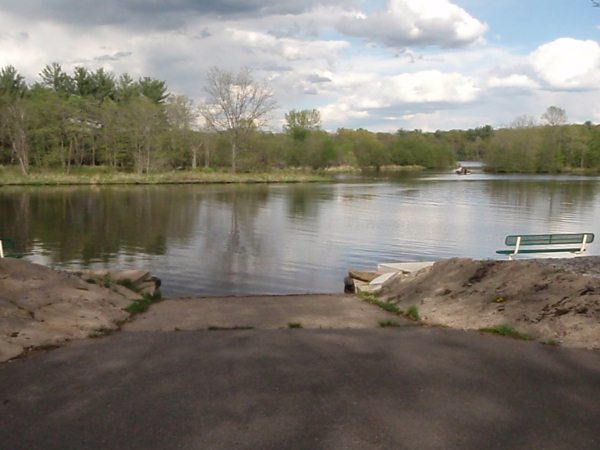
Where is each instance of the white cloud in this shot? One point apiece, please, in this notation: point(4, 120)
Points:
point(431, 86)
point(512, 81)
point(416, 22)
point(568, 63)
point(288, 48)
point(373, 95)
point(311, 65)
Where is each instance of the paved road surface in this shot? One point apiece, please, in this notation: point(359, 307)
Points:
point(392, 388)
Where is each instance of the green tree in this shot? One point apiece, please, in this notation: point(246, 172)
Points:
point(103, 85)
point(12, 84)
point(145, 123)
point(181, 117)
point(13, 115)
point(153, 89)
point(366, 147)
point(54, 78)
point(126, 88)
point(514, 150)
point(83, 82)
point(299, 124)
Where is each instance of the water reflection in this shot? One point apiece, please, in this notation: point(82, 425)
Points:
point(87, 224)
point(288, 238)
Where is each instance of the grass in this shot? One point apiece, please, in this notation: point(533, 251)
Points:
point(294, 325)
point(142, 305)
point(412, 314)
point(388, 323)
point(126, 282)
point(106, 280)
point(236, 327)
point(107, 176)
point(506, 330)
point(373, 300)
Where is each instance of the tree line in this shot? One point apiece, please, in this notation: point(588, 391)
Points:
point(86, 118)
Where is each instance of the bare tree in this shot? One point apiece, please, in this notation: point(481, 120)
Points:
point(523, 121)
point(236, 103)
point(555, 116)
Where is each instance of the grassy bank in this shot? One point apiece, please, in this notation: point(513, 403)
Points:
point(104, 176)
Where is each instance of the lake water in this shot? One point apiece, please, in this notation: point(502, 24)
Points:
point(295, 238)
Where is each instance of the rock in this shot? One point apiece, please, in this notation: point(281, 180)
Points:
point(135, 276)
point(9, 350)
point(128, 282)
point(128, 294)
point(363, 276)
point(364, 287)
point(349, 285)
point(40, 306)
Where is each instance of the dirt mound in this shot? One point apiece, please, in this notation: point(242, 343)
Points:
point(43, 307)
point(554, 300)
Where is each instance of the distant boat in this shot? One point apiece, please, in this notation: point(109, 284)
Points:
point(462, 171)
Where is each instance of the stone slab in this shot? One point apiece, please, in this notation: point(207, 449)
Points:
point(408, 266)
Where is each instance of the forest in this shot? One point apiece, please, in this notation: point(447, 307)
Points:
point(66, 121)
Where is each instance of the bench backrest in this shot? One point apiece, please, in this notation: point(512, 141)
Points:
point(8, 243)
point(550, 239)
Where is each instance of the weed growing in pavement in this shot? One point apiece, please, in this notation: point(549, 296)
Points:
point(388, 323)
point(506, 330)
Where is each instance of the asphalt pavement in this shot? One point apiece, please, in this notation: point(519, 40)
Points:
point(378, 388)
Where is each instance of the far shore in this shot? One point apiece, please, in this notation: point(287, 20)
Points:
point(101, 175)
point(91, 176)
point(105, 176)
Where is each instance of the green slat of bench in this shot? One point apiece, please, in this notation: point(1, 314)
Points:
point(549, 239)
point(7, 243)
point(540, 250)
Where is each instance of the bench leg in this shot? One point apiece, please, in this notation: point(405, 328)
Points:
point(1, 250)
point(583, 243)
point(517, 245)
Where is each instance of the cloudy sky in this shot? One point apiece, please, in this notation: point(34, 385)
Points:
point(376, 64)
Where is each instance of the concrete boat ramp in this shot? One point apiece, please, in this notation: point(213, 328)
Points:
point(262, 312)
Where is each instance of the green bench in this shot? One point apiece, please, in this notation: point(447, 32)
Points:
point(546, 243)
point(5, 246)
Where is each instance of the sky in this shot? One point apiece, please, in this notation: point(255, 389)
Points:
point(382, 65)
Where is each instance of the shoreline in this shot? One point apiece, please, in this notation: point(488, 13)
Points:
point(554, 301)
point(95, 178)
point(102, 176)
